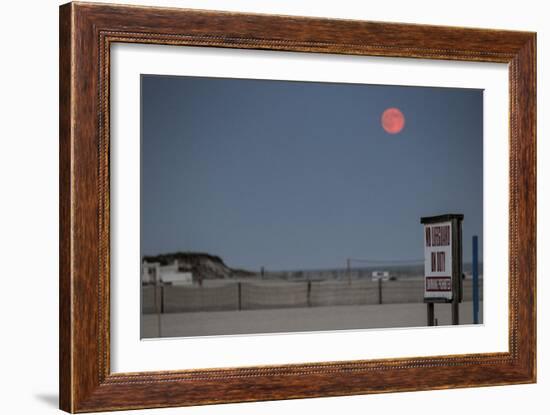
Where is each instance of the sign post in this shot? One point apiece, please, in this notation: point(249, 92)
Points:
point(443, 263)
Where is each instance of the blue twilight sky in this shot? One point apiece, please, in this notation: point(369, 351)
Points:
point(301, 175)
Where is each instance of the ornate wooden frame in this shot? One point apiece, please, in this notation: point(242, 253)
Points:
point(86, 33)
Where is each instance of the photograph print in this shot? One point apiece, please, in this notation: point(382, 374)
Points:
point(272, 206)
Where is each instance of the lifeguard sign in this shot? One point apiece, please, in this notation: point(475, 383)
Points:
point(442, 258)
point(438, 259)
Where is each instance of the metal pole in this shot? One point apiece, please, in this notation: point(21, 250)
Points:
point(379, 290)
point(475, 278)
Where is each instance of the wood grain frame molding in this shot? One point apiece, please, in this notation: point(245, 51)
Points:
point(86, 33)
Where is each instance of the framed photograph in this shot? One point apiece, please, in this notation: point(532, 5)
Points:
point(258, 207)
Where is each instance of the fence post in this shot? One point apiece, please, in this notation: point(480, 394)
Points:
point(162, 299)
point(239, 295)
point(379, 290)
point(158, 305)
point(308, 293)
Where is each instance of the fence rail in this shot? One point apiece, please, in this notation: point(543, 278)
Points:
point(230, 296)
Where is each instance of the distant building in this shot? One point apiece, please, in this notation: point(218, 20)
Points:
point(380, 275)
point(177, 278)
point(154, 272)
point(150, 272)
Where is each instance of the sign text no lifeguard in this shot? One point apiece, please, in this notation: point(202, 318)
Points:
point(438, 260)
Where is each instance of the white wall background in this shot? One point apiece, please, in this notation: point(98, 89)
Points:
point(29, 206)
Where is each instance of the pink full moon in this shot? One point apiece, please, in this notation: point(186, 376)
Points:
point(393, 120)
